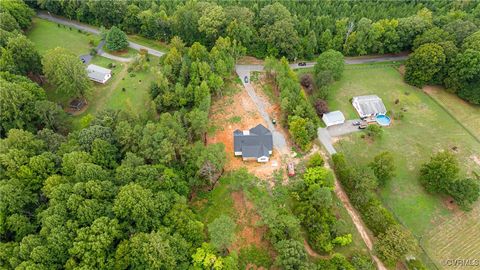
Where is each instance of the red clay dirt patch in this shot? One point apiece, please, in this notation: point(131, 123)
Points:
point(238, 112)
point(250, 233)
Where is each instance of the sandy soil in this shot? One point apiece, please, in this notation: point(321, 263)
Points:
point(249, 60)
point(250, 233)
point(239, 112)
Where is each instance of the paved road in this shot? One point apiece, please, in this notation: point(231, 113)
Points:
point(348, 61)
point(86, 28)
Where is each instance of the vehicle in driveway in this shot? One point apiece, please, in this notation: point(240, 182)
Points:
point(245, 79)
point(302, 64)
point(291, 169)
point(363, 125)
point(356, 123)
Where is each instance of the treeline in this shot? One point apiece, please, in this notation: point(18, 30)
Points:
point(23, 104)
point(111, 195)
point(297, 112)
point(449, 56)
point(394, 242)
point(295, 29)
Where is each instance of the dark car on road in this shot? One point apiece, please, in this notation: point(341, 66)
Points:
point(245, 79)
point(302, 64)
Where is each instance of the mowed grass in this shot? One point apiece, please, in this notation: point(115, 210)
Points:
point(124, 91)
point(467, 113)
point(426, 129)
point(154, 44)
point(48, 35)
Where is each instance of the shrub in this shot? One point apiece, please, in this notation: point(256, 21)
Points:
point(362, 262)
point(465, 192)
point(383, 167)
point(374, 131)
point(307, 82)
point(321, 107)
point(416, 265)
point(93, 52)
point(394, 244)
point(315, 160)
point(438, 174)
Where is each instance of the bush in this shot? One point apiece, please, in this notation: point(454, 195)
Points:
point(374, 131)
point(394, 244)
point(383, 167)
point(291, 255)
point(315, 160)
point(362, 262)
point(321, 107)
point(93, 52)
point(465, 192)
point(307, 82)
point(440, 172)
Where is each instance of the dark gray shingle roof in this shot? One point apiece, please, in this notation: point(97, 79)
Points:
point(255, 143)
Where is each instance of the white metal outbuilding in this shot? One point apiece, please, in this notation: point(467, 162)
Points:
point(333, 118)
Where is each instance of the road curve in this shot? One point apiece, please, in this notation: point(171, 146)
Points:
point(90, 29)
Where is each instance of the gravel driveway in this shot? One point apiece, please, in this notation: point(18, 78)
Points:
point(325, 135)
point(279, 141)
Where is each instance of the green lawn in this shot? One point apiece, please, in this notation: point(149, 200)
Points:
point(128, 52)
point(426, 129)
point(467, 113)
point(135, 98)
point(48, 35)
point(154, 44)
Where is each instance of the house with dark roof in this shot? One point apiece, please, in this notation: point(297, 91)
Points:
point(254, 144)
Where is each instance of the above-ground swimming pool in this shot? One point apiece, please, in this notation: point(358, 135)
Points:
point(383, 120)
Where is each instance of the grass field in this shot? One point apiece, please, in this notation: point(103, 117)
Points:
point(468, 114)
point(425, 129)
point(154, 44)
point(48, 35)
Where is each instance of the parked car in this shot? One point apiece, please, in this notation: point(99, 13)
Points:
point(274, 121)
point(356, 123)
point(302, 64)
point(291, 169)
point(245, 79)
point(363, 125)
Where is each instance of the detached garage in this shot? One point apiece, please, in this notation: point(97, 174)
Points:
point(333, 118)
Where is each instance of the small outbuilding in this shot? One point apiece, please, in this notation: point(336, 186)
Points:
point(253, 144)
point(333, 118)
point(369, 106)
point(98, 73)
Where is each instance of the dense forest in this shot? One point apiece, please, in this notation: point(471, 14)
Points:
point(295, 29)
point(114, 194)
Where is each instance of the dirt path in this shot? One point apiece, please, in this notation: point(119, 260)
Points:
point(355, 216)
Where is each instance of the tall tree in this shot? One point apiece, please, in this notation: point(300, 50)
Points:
point(423, 64)
point(66, 72)
point(20, 57)
point(383, 167)
point(116, 39)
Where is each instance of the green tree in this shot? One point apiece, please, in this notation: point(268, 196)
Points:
point(383, 167)
point(395, 244)
point(433, 35)
point(8, 22)
point(20, 57)
point(465, 192)
point(329, 66)
point(212, 21)
point(437, 174)
point(93, 244)
point(18, 96)
point(222, 232)
point(291, 255)
point(138, 207)
point(423, 64)
point(66, 72)
point(116, 39)
point(51, 115)
point(20, 11)
point(302, 131)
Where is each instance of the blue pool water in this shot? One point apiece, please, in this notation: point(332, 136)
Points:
point(383, 120)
